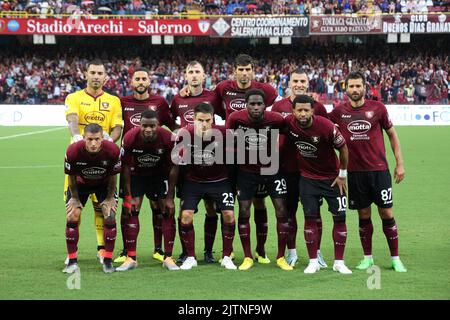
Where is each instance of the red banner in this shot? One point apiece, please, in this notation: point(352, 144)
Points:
point(104, 27)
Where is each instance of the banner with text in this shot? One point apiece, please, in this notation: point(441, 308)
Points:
point(260, 27)
point(104, 27)
point(345, 24)
point(416, 23)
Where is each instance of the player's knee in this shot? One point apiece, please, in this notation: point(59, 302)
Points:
point(386, 213)
point(244, 211)
point(74, 216)
point(364, 213)
point(228, 216)
point(186, 217)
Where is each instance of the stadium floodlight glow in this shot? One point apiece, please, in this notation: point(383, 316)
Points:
point(169, 40)
point(274, 40)
point(156, 40)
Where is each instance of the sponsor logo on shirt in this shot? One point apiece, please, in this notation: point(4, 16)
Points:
point(346, 116)
point(205, 157)
point(137, 151)
point(128, 109)
point(359, 126)
point(94, 117)
point(306, 149)
point(189, 116)
point(135, 119)
point(256, 139)
point(93, 172)
point(237, 104)
point(148, 160)
point(181, 106)
point(81, 163)
point(228, 93)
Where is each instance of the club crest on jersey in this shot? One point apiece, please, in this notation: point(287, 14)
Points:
point(369, 114)
point(152, 108)
point(105, 105)
point(315, 139)
point(159, 151)
point(105, 163)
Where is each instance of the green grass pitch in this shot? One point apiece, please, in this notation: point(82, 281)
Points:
point(32, 241)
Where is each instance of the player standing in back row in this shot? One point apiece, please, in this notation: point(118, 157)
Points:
point(132, 107)
point(361, 123)
point(232, 94)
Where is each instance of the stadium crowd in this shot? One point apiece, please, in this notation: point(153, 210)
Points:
point(403, 76)
point(223, 7)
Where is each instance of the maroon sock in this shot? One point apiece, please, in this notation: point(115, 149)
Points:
point(123, 228)
point(228, 231)
point(131, 234)
point(188, 238)
point(391, 233)
point(310, 232)
point(109, 235)
point(319, 231)
point(169, 231)
point(283, 231)
point(292, 239)
point(210, 231)
point(244, 234)
point(183, 249)
point(260, 217)
point(157, 228)
point(365, 234)
point(72, 236)
point(339, 239)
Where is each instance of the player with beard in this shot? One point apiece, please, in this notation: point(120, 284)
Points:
point(93, 105)
point(132, 107)
point(232, 94)
point(255, 127)
point(298, 85)
point(369, 181)
point(322, 175)
point(146, 163)
point(182, 107)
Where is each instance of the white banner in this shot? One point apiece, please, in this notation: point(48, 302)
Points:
point(32, 115)
point(53, 115)
point(419, 115)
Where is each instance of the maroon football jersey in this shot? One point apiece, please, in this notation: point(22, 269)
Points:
point(206, 162)
point(258, 140)
point(289, 163)
point(132, 109)
point(183, 107)
point(362, 130)
point(316, 146)
point(147, 158)
point(92, 169)
point(233, 98)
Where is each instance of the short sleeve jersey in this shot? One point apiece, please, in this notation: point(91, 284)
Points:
point(104, 110)
point(92, 169)
point(316, 145)
point(362, 129)
point(151, 158)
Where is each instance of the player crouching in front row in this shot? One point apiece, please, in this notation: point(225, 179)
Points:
point(92, 165)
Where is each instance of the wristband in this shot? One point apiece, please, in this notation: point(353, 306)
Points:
point(343, 173)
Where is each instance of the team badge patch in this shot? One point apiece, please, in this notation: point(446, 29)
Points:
point(105, 163)
point(105, 105)
point(369, 114)
point(315, 139)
